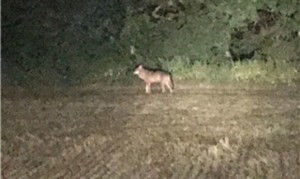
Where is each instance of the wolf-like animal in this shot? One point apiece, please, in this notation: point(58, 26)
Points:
point(150, 76)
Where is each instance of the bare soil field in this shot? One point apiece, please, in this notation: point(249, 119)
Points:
point(120, 132)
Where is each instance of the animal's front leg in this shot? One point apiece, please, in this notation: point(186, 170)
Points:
point(148, 88)
point(163, 89)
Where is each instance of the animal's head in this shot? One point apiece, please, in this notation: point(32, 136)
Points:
point(138, 69)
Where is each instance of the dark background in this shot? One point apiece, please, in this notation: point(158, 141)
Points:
point(64, 42)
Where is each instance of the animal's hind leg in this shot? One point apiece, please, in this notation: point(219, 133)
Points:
point(169, 85)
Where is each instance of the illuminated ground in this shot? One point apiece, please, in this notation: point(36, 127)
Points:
point(197, 132)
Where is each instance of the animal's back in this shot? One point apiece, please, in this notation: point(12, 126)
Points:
point(154, 76)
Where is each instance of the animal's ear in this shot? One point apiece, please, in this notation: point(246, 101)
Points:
point(140, 66)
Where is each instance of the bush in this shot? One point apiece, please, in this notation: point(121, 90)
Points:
point(272, 71)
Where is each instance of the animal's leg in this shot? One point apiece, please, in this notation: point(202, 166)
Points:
point(148, 88)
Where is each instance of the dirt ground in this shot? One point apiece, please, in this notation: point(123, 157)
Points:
point(109, 132)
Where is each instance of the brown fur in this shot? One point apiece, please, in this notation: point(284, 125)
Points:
point(155, 76)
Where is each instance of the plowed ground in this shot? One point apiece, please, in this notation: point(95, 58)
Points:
point(120, 132)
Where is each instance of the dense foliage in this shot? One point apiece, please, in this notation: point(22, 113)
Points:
point(66, 42)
